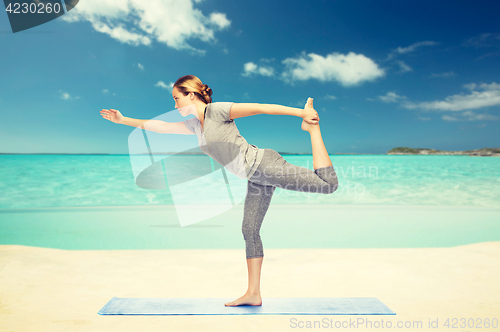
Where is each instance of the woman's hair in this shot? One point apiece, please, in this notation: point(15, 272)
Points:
point(191, 83)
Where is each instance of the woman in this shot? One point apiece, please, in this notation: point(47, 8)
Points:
point(265, 169)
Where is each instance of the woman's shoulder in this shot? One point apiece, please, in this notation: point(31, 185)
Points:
point(219, 104)
point(219, 111)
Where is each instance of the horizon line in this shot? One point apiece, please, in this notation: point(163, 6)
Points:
point(160, 153)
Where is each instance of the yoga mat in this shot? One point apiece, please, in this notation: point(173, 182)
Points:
point(270, 306)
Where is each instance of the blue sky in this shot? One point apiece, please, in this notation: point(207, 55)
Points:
point(383, 74)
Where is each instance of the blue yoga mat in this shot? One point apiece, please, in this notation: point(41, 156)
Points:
point(270, 306)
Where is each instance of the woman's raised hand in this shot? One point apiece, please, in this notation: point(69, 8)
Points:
point(310, 115)
point(112, 115)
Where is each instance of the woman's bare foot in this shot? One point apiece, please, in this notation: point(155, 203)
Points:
point(309, 108)
point(247, 299)
point(308, 127)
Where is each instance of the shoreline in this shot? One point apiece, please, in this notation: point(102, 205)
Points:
point(306, 226)
point(420, 152)
point(484, 152)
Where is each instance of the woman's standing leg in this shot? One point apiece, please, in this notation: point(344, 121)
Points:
point(257, 202)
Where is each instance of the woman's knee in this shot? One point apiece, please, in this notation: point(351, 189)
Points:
point(333, 187)
point(328, 175)
point(334, 184)
point(249, 233)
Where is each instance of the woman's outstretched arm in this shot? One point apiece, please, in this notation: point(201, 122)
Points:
point(239, 110)
point(156, 126)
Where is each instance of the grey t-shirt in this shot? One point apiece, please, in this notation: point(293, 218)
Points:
point(221, 140)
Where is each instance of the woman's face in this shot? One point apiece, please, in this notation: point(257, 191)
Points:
point(181, 101)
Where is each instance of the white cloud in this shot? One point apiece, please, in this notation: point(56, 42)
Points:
point(414, 46)
point(220, 20)
point(106, 91)
point(120, 33)
point(411, 48)
point(484, 95)
point(266, 60)
point(348, 70)
point(251, 68)
point(480, 96)
point(424, 118)
point(404, 67)
point(444, 75)
point(470, 86)
point(67, 96)
point(141, 67)
point(330, 97)
point(449, 118)
point(138, 22)
point(162, 85)
point(299, 104)
point(391, 97)
point(488, 41)
point(484, 40)
point(469, 116)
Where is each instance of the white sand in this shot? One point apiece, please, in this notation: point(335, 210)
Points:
point(61, 290)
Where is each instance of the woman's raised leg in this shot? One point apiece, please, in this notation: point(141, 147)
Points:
point(320, 155)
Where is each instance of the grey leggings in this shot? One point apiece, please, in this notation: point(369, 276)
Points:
point(272, 172)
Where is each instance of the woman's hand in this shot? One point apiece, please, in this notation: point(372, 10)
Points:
point(112, 115)
point(309, 114)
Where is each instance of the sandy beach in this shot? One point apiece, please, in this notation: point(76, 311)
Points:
point(46, 289)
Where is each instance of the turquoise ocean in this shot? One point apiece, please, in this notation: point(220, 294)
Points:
point(93, 202)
